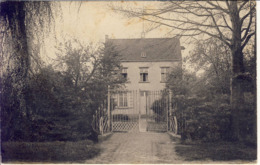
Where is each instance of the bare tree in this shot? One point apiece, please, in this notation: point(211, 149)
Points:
point(232, 22)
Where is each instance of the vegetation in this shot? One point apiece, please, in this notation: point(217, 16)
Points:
point(202, 103)
point(230, 22)
point(62, 103)
point(47, 111)
point(217, 151)
point(57, 151)
point(47, 106)
point(160, 107)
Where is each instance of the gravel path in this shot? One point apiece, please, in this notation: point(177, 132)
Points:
point(141, 147)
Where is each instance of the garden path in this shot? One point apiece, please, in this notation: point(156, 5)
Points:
point(141, 147)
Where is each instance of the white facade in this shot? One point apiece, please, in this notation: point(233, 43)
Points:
point(146, 63)
point(155, 71)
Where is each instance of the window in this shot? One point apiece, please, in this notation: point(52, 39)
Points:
point(144, 93)
point(124, 73)
point(143, 54)
point(123, 99)
point(164, 73)
point(143, 74)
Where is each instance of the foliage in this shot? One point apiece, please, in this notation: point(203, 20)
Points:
point(202, 103)
point(61, 103)
point(160, 107)
point(55, 113)
point(216, 151)
point(214, 58)
point(48, 151)
point(181, 81)
point(231, 22)
point(207, 122)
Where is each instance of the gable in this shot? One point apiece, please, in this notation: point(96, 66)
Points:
point(148, 49)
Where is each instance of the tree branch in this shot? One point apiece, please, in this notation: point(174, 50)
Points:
point(226, 23)
point(241, 6)
point(223, 38)
point(227, 4)
point(249, 24)
point(188, 21)
point(249, 13)
point(217, 7)
point(247, 39)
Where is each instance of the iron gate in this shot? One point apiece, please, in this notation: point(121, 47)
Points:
point(137, 110)
point(157, 110)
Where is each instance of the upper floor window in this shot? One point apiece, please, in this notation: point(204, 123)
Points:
point(143, 54)
point(164, 73)
point(124, 73)
point(144, 74)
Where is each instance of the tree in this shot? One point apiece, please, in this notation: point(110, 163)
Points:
point(90, 65)
point(232, 22)
point(79, 62)
point(213, 57)
point(90, 70)
point(16, 20)
point(109, 70)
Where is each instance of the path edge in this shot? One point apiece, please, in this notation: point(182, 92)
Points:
point(104, 137)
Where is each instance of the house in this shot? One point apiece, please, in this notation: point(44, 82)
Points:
point(146, 63)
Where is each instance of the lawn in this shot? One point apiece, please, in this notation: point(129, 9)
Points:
point(218, 151)
point(57, 151)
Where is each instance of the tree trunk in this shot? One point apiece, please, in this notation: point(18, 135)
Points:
point(16, 18)
point(237, 96)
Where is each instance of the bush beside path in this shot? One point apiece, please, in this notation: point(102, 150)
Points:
point(48, 152)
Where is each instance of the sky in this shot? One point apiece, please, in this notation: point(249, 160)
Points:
point(90, 21)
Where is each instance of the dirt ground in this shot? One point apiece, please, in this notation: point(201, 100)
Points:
point(144, 147)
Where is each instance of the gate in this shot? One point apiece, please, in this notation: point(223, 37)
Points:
point(139, 111)
point(125, 111)
point(157, 109)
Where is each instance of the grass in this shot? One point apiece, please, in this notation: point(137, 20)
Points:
point(57, 151)
point(218, 151)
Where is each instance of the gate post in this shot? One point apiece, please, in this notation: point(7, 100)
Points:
point(108, 108)
point(170, 105)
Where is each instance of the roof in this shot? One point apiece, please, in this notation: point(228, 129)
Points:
point(155, 49)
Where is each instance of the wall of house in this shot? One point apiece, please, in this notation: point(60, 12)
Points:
point(154, 75)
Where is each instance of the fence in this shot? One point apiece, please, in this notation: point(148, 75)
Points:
point(100, 122)
point(136, 111)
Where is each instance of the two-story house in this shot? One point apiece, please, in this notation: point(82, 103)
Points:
point(146, 63)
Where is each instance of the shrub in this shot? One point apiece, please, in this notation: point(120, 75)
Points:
point(48, 151)
point(203, 120)
point(159, 108)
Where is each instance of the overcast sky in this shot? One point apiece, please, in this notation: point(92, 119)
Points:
point(90, 21)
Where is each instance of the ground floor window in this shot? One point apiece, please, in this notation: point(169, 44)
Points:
point(123, 99)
